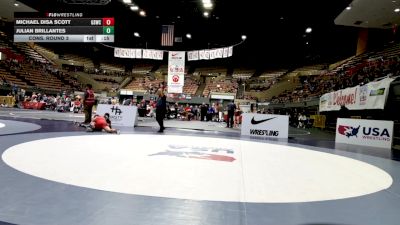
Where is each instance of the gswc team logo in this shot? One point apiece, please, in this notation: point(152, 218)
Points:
point(348, 131)
point(369, 133)
point(196, 152)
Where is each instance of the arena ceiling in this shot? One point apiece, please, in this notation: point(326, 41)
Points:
point(275, 30)
point(381, 14)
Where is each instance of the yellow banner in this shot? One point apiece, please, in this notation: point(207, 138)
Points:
point(319, 120)
point(7, 100)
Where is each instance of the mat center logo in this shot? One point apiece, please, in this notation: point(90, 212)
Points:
point(197, 152)
point(348, 131)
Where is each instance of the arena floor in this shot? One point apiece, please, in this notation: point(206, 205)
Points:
point(52, 172)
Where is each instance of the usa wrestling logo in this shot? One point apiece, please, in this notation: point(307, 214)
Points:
point(196, 152)
point(348, 131)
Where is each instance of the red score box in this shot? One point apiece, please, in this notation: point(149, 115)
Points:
point(108, 21)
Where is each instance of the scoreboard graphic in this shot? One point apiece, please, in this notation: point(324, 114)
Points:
point(62, 27)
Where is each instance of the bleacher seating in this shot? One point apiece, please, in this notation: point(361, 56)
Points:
point(243, 73)
point(210, 71)
point(31, 53)
point(190, 85)
point(221, 84)
point(80, 60)
point(7, 78)
point(360, 69)
point(142, 69)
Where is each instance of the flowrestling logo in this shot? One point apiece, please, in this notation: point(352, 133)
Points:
point(197, 152)
point(369, 133)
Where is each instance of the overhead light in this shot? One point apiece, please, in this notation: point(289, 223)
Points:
point(136, 34)
point(142, 13)
point(308, 30)
point(206, 1)
point(206, 14)
point(16, 4)
point(134, 8)
point(127, 1)
point(208, 5)
point(178, 17)
point(307, 43)
point(244, 37)
point(188, 36)
point(348, 7)
point(397, 10)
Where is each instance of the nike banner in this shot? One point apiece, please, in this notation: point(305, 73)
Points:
point(176, 72)
point(265, 125)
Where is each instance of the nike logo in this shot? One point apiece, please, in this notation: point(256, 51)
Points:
point(253, 121)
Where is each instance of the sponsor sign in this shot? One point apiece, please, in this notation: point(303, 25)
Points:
point(120, 115)
point(176, 72)
point(226, 97)
point(373, 133)
point(265, 125)
point(369, 96)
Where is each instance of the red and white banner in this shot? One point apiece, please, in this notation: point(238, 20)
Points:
point(372, 133)
point(369, 96)
point(138, 53)
point(219, 53)
point(193, 55)
point(131, 53)
point(225, 54)
point(176, 72)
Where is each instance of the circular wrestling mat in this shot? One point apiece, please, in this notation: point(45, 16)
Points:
point(197, 168)
point(15, 127)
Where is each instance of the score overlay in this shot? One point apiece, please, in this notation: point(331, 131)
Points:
point(32, 29)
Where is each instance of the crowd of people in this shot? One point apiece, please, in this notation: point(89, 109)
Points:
point(344, 77)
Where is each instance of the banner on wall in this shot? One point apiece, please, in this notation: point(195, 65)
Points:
point(372, 133)
point(205, 54)
point(193, 55)
point(120, 115)
point(369, 96)
point(265, 125)
point(176, 72)
point(138, 53)
point(125, 53)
